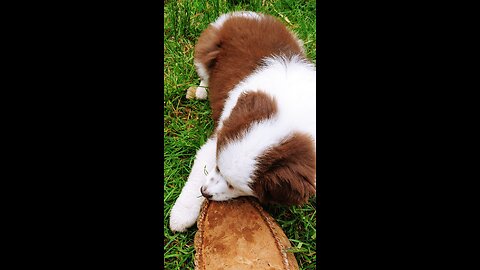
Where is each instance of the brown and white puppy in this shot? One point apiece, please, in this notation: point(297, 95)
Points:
point(262, 94)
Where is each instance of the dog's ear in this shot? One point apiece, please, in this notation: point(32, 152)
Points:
point(286, 173)
point(207, 48)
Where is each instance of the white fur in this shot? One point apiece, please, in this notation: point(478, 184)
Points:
point(201, 91)
point(247, 14)
point(217, 185)
point(292, 82)
point(201, 71)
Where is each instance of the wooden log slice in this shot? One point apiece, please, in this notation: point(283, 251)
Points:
point(239, 235)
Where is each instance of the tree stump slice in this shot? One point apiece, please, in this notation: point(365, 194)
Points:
point(240, 235)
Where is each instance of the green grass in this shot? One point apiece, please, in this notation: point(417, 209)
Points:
point(188, 124)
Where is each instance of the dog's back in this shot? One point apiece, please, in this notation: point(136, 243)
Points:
point(231, 48)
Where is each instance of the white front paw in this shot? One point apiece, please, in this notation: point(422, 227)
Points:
point(182, 218)
point(201, 92)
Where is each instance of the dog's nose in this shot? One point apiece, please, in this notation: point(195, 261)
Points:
point(204, 193)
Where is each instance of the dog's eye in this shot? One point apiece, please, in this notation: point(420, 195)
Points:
point(217, 169)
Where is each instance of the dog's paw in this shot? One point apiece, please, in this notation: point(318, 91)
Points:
point(182, 218)
point(201, 92)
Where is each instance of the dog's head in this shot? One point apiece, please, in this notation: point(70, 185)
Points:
point(255, 158)
point(283, 174)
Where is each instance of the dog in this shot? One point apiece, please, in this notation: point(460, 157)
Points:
point(262, 92)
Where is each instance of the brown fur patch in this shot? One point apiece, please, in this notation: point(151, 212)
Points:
point(286, 173)
point(251, 107)
point(207, 47)
point(234, 51)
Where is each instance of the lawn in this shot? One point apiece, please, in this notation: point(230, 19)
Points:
point(188, 124)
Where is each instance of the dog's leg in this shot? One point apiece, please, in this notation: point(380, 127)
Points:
point(187, 207)
point(199, 92)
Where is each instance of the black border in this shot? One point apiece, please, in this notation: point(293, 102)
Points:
point(94, 187)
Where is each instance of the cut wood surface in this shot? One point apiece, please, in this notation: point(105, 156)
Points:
point(238, 234)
